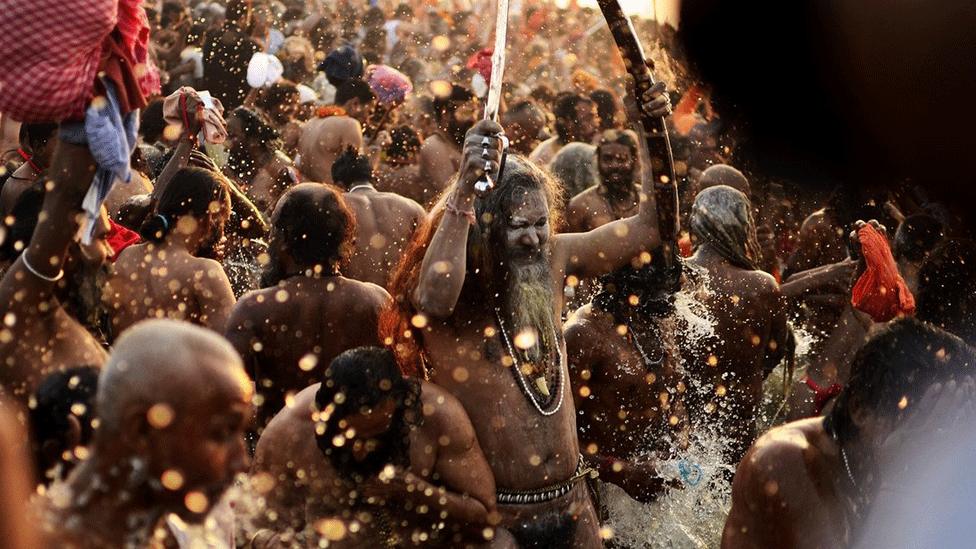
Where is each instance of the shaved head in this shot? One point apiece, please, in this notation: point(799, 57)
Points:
point(174, 400)
point(723, 174)
point(197, 364)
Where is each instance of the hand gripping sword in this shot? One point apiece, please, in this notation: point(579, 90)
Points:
point(493, 102)
point(655, 136)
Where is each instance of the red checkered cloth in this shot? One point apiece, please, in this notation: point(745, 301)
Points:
point(49, 56)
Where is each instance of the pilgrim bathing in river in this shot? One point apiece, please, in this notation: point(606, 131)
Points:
point(337, 274)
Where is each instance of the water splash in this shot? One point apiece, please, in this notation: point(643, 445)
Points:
point(691, 517)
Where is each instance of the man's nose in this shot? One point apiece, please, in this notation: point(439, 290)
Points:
point(530, 238)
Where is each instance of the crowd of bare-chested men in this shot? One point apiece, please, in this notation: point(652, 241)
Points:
point(324, 314)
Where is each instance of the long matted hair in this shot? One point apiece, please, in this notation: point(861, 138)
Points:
point(396, 328)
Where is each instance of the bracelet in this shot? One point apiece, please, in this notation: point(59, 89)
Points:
point(452, 209)
point(33, 271)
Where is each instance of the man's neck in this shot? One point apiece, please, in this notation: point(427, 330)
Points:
point(626, 194)
point(361, 186)
point(706, 255)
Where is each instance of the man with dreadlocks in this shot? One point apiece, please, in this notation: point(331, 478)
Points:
point(751, 337)
point(477, 313)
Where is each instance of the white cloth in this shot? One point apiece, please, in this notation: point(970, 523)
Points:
point(264, 70)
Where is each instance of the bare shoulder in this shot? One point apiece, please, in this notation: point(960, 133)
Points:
point(407, 205)
point(780, 455)
point(584, 197)
point(288, 429)
point(445, 415)
point(372, 294)
point(763, 282)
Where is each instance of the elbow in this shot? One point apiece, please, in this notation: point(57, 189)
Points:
point(433, 305)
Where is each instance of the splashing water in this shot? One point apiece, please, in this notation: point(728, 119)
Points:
point(691, 517)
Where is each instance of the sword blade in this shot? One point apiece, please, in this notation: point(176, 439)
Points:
point(492, 104)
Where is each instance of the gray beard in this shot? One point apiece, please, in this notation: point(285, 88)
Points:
point(529, 305)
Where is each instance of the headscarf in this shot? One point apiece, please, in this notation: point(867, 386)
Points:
point(722, 216)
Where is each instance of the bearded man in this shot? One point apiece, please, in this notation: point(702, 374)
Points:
point(478, 314)
point(617, 195)
point(440, 153)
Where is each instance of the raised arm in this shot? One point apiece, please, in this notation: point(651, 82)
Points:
point(32, 278)
point(614, 245)
point(442, 271)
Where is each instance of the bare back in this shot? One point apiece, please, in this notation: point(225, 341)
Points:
point(385, 223)
point(404, 181)
point(322, 141)
point(288, 334)
point(439, 162)
point(443, 448)
point(726, 374)
point(161, 281)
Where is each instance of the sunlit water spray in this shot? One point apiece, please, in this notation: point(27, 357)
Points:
point(691, 517)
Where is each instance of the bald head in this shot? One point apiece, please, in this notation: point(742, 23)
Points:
point(723, 174)
point(171, 363)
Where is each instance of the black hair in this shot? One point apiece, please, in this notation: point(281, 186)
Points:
point(403, 11)
point(946, 294)
point(626, 138)
point(565, 104)
point(606, 107)
point(404, 141)
point(282, 91)
point(894, 369)
point(565, 109)
point(357, 380)
point(60, 395)
point(527, 106)
point(443, 105)
point(350, 168)
point(36, 136)
point(316, 229)
point(374, 16)
point(354, 89)
point(256, 125)
point(192, 191)
point(15, 236)
point(152, 124)
point(916, 236)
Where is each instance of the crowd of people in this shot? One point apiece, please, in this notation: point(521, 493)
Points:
point(253, 297)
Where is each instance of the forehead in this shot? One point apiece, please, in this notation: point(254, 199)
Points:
point(529, 203)
point(614, 149)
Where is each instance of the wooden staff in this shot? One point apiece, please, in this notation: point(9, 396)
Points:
point(655, 132)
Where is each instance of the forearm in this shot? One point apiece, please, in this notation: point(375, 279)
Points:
point(72, 171)
point(640, 481)
point(461, 509)
point(443, 268)
point(180, 159)
point(811, 279)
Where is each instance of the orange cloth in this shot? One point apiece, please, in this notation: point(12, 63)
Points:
point(880, 292)
point(684, 245)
